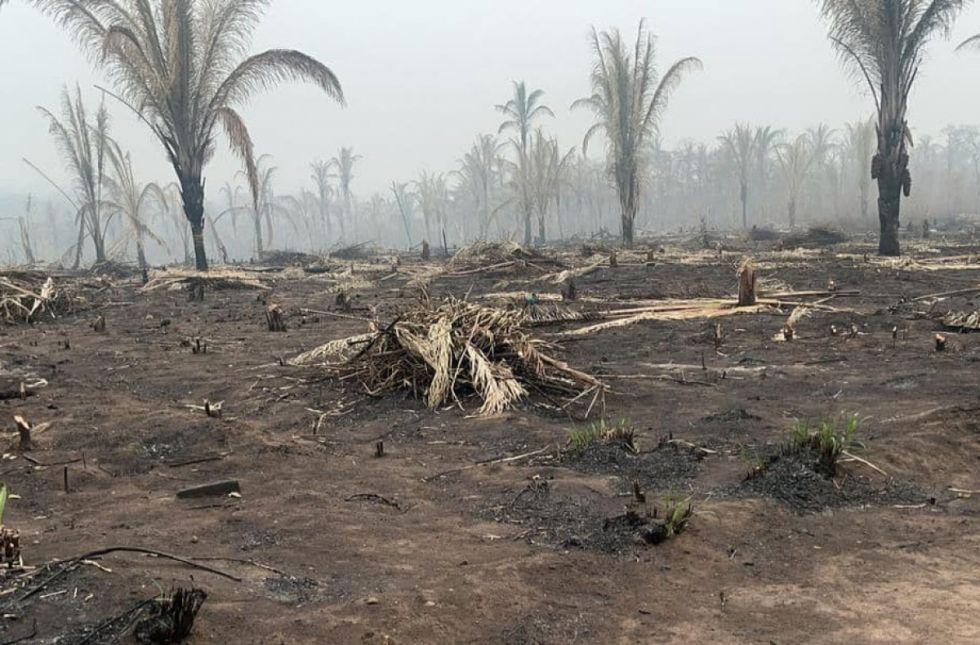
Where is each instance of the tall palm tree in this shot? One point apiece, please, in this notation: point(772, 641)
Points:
point(344, 163)
point(740, 146)
point(520, 113)
point(628, 99)
point(860, 144)
point(795, 160)
point(884, 41)
point(181, 65)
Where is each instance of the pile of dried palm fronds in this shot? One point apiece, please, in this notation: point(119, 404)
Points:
point(175, 280)
point(444, 352)
point(28, 297)
point(965, 321)
point(288, 258)
point(481, 256)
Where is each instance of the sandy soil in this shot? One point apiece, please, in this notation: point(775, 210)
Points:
point(334, 545)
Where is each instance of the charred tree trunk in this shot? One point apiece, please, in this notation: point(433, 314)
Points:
point(890, 167)
point(192, 193)
point(792, 213)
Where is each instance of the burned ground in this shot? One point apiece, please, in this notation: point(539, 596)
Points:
point(441, 539)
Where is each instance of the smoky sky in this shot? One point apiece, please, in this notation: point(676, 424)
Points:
point(422, 78)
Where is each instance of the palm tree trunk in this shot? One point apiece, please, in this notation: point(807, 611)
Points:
point(99, 241)
point(890, 168)
point(192, 193)
point(889, 200)
point(259, 249)
point(527, 224)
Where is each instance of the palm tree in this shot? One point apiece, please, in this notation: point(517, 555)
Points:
point(432, 195)
point(182, 67)
point(344, 163)
point(740, 145)
point(403, 199)
point(884, 42)
point(130, 198)
point(795, 160)
point(82, 144)
point(478, 169)
point(322, 191)
point(860, 142)
point(520, 113)
point(628, 101)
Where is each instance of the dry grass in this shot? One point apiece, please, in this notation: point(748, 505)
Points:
point(447, 351)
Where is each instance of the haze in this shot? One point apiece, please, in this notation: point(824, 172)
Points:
point(422, 79)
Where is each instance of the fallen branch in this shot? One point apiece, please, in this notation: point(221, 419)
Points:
point(71, 563)
point(491, 462)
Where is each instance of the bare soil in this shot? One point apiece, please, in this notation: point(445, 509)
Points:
point(436, 543)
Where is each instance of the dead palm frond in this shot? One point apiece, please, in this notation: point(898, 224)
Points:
point(629, 98)
point(883, 43)
point(183, 67)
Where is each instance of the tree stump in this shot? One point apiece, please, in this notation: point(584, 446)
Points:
point(746, 284)
point(274, 319)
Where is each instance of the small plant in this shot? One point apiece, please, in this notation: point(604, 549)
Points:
point(677, 513)
point(600, 432)
point(828, 438)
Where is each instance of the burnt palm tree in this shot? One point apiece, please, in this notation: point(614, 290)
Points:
point(740, 146)
point(182, 66)
point(883, 42)
point(628, 99)
point(520, 113)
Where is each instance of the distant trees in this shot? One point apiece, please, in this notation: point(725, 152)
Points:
point(883, 42)
point(629, 99)
point(182, 67)
point(860, 146)
point(795, 161)
point(344, 164)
